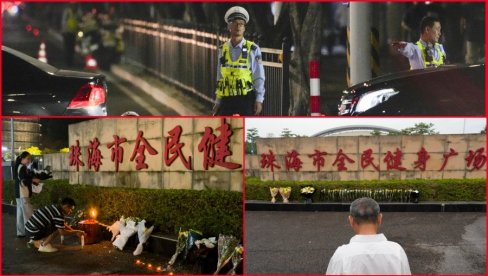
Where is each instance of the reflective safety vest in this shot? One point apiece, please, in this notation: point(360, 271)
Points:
point(71, 22)
point(433, 62)
point(236, 75)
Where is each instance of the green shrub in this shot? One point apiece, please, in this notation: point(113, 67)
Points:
point(212, 212)
point(430, 189)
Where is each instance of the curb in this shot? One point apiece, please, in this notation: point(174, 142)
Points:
point(385, 207)
point(158, 244)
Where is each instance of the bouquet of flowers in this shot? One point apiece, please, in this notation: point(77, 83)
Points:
point(307, 192)
point(226, 248)
point(180, 246)
point(236, 259)
point(274, 192)
point(285, 192)
point(143, 234)
point(186, 239)
point(209, 243)
point(126, 231)
point(115, 228)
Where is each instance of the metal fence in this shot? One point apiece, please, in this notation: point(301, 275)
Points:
point(187, 58)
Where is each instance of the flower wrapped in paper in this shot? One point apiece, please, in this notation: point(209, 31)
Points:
point(208, 243)
point(186, 239)
point(143, 233)
point(126, 231)
point(274, 193)
point(285, 193)
point(307, 193)
point(226, 248)
point(236, 259)
point(115, 228)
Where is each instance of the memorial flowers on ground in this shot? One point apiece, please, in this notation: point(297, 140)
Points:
point(307, 193)
point(285, 192)
point(274, 192)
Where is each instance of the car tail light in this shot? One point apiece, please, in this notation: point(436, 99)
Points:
point(88, 95)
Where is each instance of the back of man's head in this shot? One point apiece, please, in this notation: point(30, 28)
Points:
point(365, 210)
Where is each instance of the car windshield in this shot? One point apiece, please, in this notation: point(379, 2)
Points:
point(39, 64)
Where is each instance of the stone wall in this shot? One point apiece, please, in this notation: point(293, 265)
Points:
point(158, 175)
point(59, 163)
point(353, 146)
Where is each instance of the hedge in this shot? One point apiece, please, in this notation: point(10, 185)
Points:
point(212, 212)
point(430, 189)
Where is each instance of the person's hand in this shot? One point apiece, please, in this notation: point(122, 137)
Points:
point(258, 107)
point(80, 233)
point(215, 109)
point(399, 44)
point(36, 181)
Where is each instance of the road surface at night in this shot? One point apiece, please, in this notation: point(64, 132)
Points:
point(303, 242)
point(122, 95)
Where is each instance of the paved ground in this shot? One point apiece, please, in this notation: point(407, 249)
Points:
point(303, 242)
point(99, 258)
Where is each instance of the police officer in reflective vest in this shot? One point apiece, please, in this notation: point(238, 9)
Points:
point(427, 52)
point(240, 72)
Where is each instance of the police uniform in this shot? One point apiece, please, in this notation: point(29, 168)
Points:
point(423, 55)
point(240, 74)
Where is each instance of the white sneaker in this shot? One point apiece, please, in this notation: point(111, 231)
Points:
point(47, 248)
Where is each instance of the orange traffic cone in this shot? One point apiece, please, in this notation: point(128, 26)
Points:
point(41, 55)
point(90, 63)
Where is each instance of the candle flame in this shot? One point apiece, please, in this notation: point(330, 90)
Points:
point(93, 213)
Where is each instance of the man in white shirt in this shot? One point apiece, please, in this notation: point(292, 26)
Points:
point(368, 252)
point(427, 51)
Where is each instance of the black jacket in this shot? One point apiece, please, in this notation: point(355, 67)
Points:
point(23, 175)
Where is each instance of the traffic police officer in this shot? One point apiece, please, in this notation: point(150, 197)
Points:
point(240, 72)
point(427, 52)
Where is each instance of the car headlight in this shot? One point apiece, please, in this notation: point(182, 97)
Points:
point(374, 98)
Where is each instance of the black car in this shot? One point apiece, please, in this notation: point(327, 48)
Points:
point(451, 90)
point(32, 87)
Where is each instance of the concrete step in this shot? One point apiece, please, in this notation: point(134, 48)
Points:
point(255, 205)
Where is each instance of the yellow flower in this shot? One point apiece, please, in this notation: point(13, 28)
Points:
point(239, 249)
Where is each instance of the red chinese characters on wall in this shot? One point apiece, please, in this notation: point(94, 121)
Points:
point(394, 161)
point(340, 161)
point(475, 160)
point(94, 155)
point(446, 157)
point(268, 160)
point(292, 161)
point(117, 155)
point(173, 146)
point(422, 157)
point(74, 156)
point(367, 159)
point(318, 159)
point(215, 149)
point(139, 151)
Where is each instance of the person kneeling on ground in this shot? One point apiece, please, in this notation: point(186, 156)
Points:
point(48, 222)
point(368, 252)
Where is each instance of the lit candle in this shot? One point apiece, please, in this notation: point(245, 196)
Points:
point(138, 262)
point(171, 273)
point(158, 269)
point(93, 213)
point(149, 266)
